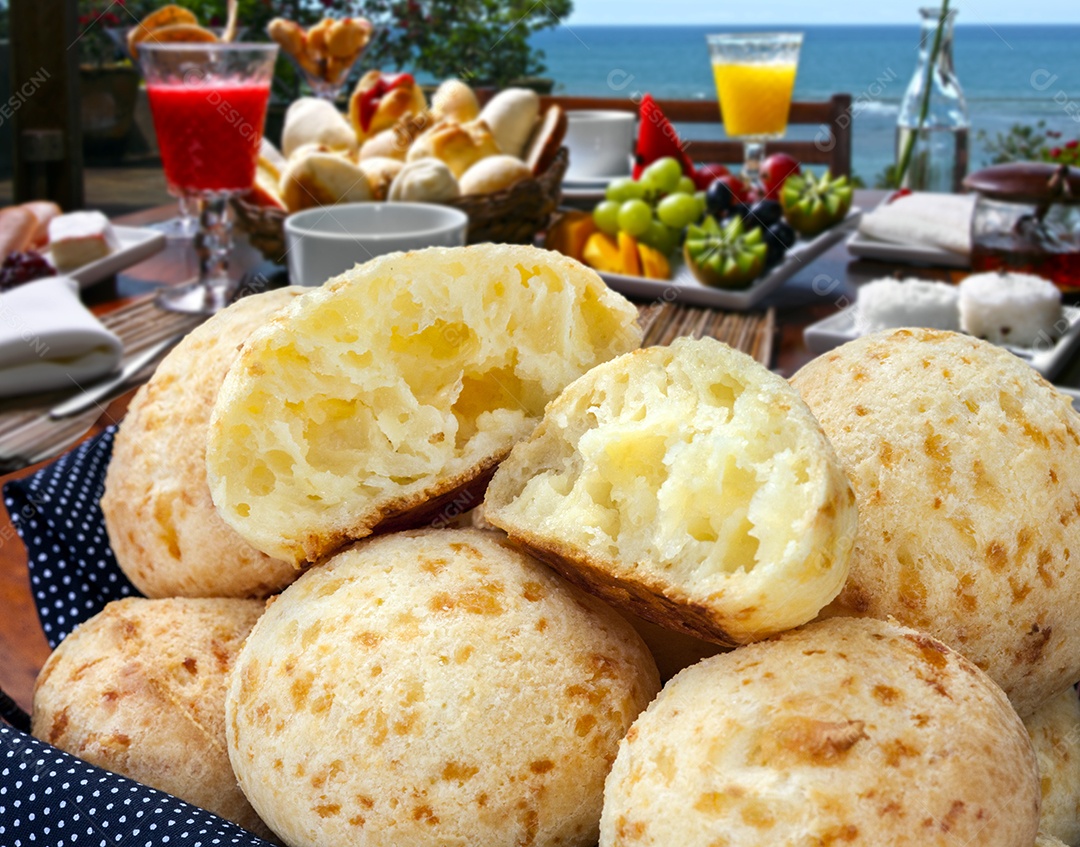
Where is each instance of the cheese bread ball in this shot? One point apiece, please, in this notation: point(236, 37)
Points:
point(688, 484)
point(434, 688)
point(139, 689)
point(850, 731)
point(966, 469)
point(1055, 734)
point(398, 383)
point(162, 525)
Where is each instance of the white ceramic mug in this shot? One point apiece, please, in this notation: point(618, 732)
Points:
point(600, 143)
point(326, 241)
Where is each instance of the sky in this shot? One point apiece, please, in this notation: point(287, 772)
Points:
point(783, 12)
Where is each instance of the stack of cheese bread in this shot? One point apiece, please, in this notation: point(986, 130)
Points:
point(394, 145)
point(857, 584)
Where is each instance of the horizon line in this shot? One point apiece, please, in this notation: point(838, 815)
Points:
point(787, 24)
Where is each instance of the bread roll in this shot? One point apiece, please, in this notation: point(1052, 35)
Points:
point(1055, 734)
point(17, 228)
point(380, 173)
point(312, 120)
point(381, 100)
point(546, 140)
point(459, 146)
point(424, 181)
point(43, 211)
point(139, 689)
point(162, 525)
point(966, 471)
point(388, 144)
point(512, 114)
point(495, 173)
point(431, 688)
point(323, 179)
point(847, 732)
point(397, 384)
point(455, 100)
point(688, 484)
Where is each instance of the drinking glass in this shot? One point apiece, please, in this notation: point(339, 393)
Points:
point(184, 226)
point(209, 103)
point(755, 75)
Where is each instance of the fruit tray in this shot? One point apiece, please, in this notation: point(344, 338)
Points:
point(683, 287)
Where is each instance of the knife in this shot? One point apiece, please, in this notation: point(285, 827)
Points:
point(83, 401)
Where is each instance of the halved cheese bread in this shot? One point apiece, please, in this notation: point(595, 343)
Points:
point(688, 484)
point(378, 396)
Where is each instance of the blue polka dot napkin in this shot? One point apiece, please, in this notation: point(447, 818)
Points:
point(48, 797)
point(73, 572)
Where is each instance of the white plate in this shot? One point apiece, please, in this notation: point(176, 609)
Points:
point(840, 328)
point(919, 254)
point(136, 244)
point(683, 287)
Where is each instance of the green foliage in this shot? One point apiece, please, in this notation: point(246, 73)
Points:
point(1026, 143)
point(1022, 143)
point(480, 41)
point(97, 19)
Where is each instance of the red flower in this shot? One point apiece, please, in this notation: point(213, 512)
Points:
point(1056, 152)
point(1072, 145)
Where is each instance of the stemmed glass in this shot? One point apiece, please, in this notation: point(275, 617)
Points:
point(184, 225)
point(755, 76)
point(209, 104)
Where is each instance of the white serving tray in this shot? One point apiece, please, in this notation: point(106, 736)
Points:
point(683, 287)
point(136, 244)
point(840, 328)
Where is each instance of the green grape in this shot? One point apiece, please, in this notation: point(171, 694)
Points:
point(685, 186)
point(635, 217)
point(678, 210)
point(606, 216)
point(624, 188)
point(663, 174)
point(661, 238)
point(702, 205)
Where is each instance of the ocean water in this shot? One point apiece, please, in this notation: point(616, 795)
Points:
point(1010, 74)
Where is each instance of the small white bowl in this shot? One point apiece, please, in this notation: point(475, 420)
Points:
point(326, 241)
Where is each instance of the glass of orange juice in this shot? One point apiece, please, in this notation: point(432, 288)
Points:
point(755, 75)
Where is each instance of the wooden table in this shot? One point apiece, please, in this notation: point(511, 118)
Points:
point(815, 292)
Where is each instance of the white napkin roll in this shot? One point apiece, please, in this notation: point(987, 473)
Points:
point(924, 219)
point(49, 340)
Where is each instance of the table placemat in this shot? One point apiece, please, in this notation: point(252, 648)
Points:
point(750, 332)
point(29, 435)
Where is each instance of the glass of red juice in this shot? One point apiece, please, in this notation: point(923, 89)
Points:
point(209, 104)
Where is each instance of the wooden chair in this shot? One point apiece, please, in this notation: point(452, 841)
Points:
point(831, 145)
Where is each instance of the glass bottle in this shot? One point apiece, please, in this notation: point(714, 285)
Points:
point(939, 160)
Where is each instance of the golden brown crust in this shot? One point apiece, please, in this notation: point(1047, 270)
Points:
point(849, 731)
point(966, 468)
point(163, 528)
point(139, 689)
point(459, 692)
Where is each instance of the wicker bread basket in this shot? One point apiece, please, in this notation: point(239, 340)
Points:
point(513, 216)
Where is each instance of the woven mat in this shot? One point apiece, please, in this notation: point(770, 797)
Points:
point(29, 435)
point(750, 332)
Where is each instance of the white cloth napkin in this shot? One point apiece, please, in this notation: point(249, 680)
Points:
point(923, 219)
point(50, 340)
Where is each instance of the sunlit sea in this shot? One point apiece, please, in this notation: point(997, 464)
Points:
point(1010, 74)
